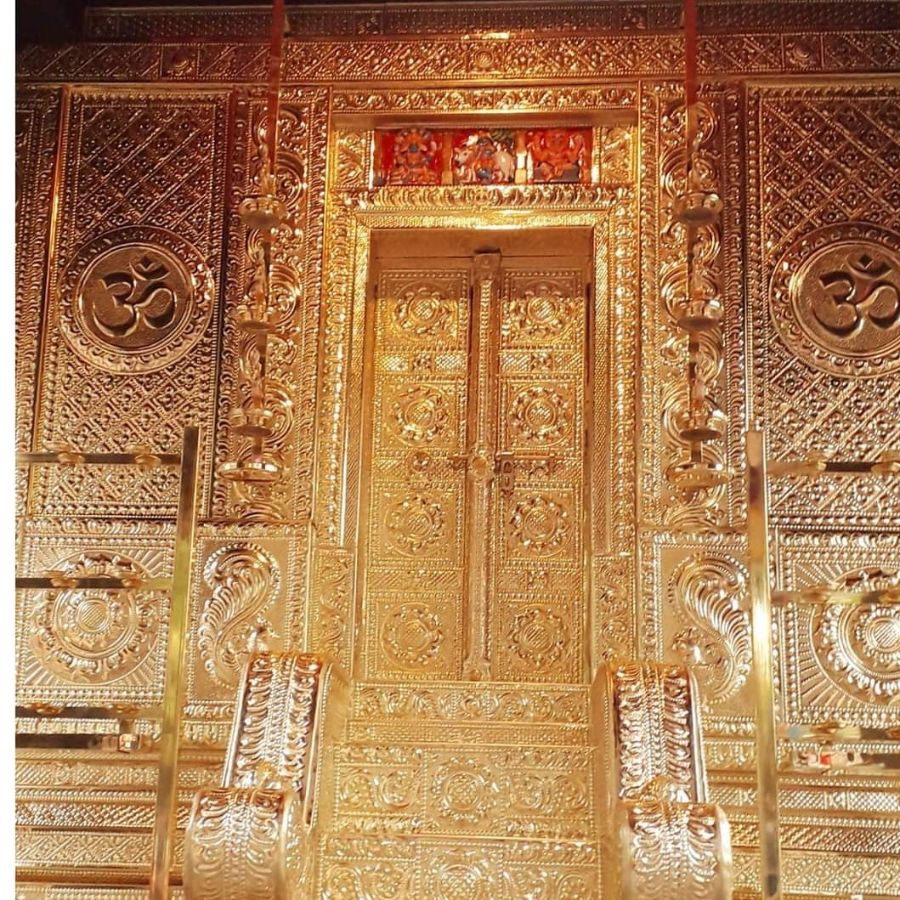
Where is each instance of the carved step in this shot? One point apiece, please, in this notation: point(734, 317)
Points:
point(354, 865)
point(465, 789)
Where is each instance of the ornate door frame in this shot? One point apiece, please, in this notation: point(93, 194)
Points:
point(353, 212)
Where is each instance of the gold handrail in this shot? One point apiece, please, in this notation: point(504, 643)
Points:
point(178, 587)
point(759, 470)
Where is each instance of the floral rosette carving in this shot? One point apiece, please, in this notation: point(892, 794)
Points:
point(858, 646)
point(93, 636)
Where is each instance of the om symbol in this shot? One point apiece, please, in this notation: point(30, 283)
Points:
point(134, 296)
point(835, 299)
point(135, 299)
point(859, 293)
point(138, 297)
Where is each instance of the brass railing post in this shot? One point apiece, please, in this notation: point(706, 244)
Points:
point(167, 789)
point(763, 675)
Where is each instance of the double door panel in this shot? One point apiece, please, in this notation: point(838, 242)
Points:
point(475, 484)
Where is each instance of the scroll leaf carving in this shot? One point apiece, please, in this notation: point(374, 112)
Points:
point(245, 580)
point(709, 594)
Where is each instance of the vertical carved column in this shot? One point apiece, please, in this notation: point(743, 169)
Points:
point(480, 463)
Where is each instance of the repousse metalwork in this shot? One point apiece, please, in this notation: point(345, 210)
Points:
point(506, 517)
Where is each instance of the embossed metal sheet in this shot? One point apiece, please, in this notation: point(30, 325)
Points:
point(477, 471)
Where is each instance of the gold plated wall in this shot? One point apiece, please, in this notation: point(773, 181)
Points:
point(134, 149)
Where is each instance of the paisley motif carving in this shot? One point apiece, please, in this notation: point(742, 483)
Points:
point(424, 313)
point(94, 636)
point(709, 594)
point(419, 414)
point(859, 646)
point(541, 311)
point(245, 580)
point(540, 415)
point(539, 526)
point(412, 635)
point(538, 637)
point(415, 523)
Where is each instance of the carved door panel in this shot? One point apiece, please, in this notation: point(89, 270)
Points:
point(472, 500)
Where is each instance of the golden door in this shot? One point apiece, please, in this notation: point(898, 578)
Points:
point(475, 499)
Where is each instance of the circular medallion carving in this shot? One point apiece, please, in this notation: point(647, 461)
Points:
point(94, 636)
point(415, 523)
point(538, 637)
point(419, 414)
point(540, 415)
point(539, 526)
point(412, 635)
point(543, 311)
point(859, 646)
point(465, 791)
point(424, 313)
point(461, 875)
point(135, 299)
point(835, 299)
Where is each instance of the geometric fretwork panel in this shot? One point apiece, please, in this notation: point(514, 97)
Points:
point(840, 662)
point(825, 284)
point(130, 349)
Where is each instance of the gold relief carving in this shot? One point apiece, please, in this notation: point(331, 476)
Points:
point(517, 99)
point(540, 415)
point(353, 153)
point(835, 298)
point(332, 591)
point(464, 791)
point(824, 256)
point(839, 662)
point(709, 593)
point(617, 143)
point(89, 645)
point(416, 524)
point(675, 850)
point(412, 635)
point(135, 299)
point(539, 526)
point(245, 844)
point(538, 638)
point(419, 413)
point(245, 582)
point(137, 168)
point(540, 311)
point(859, 646)
point(424, 312)
point(95, 637)
point(36, 123)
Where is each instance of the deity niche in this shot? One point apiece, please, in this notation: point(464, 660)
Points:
point(410, 156)
point(558, 154)
point(484, 157)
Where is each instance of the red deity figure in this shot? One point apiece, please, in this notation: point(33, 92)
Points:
point(557, 154)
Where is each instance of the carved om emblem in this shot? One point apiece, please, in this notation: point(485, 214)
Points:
point(133, 296)
point(860, 292)
point(836, 299)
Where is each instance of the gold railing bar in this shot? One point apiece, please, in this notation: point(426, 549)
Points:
point(164, 826)
point(831, 732)
point(76, 458)
point(99, 582)
point(814, 466)
point(888, 595)
point(761, 611)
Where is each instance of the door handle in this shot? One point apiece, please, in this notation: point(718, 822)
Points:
point(506, 463)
